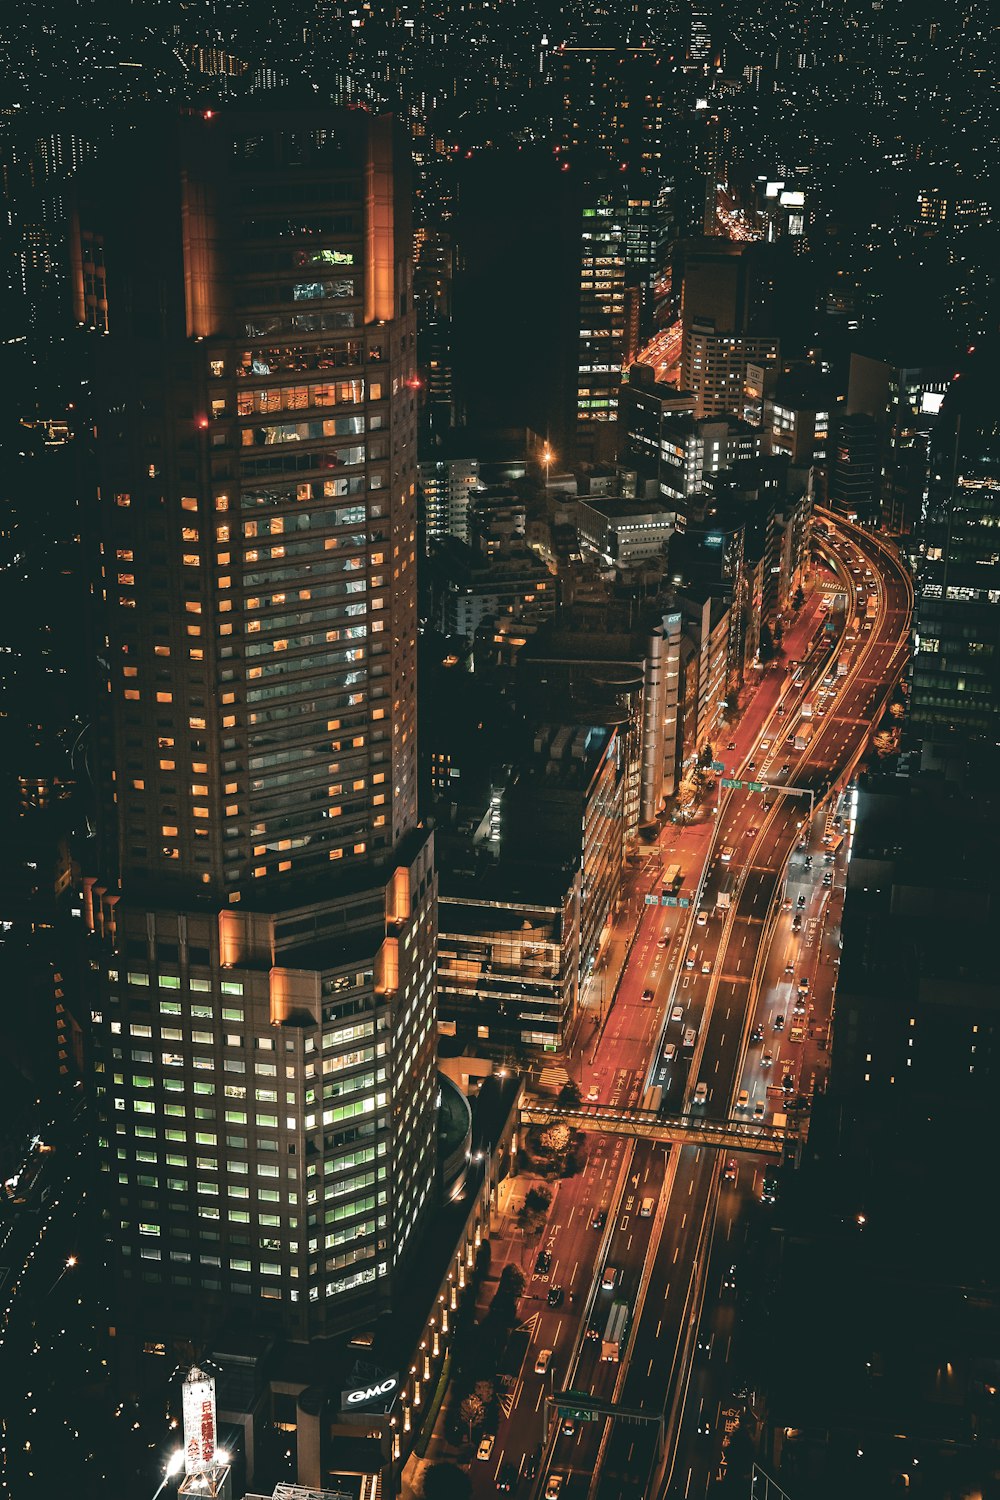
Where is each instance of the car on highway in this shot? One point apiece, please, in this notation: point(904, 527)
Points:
point(767, 1058)
point(531, 1465)
point(485, 1446)
point(757, 1035)
point(751, 765)
point(780, 710)
point(670, 1052)
point(556, 1296)
point(788, 1083)
point(726, 855)
point(729, 1171)
point(568, 1426)
point(827, 878)
point(507, 1478)
point(593, 1094)
point(702, 919)
point(785, 769)
point(779, 1023)
point(752, 831)
point(706, 966)
point(600, 1219)
point(789, 968)
point(609, 1278)
point(829, 857)
point(800, 903)
point(664, 941)
point(647, 995)
point(800, 847)
point(543, 1260)
point(677, 1014)
point(786, 905)
point(646, 1208)
point(797, 922)
point(543, 1361)
point(796, 1034)
point(729, 1280)
point(759, 1109)
point(799, 1008)
point(803, 984)
point(808, 861)
point(742, 1099)
point(553, 1487)
point(769, 1190)
point(700, 1095)
point(731, 745)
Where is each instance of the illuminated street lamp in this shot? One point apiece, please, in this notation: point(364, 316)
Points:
point(174, 1465)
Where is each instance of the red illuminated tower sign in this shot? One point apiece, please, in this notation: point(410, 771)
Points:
point(199, 1421)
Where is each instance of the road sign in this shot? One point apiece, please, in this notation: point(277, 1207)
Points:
point(652, 900)
point(580, 1413)
point(717, 765)
point(668, 900)
point(683, 901)
point(757, 786)
point(731, 781)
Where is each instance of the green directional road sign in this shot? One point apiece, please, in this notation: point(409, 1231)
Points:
point(652, 901)
point(717, 765)
point(757, 786)
point(731, 781)
point(580, 1413)
point(668, 900)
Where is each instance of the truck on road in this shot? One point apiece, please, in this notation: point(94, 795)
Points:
point(613, 1341)
point(724, 890)
point(871, 608)
point(803, 734)
point(672, 879)
point(653, 1098)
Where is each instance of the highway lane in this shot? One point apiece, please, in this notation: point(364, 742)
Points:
point(717, 1005)
point(632, 1453)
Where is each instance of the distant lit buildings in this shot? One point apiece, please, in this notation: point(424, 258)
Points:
point(625, 532)
point(714, 365)
point(446, 485)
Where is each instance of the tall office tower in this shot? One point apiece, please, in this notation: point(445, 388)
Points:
point(853, 476)
point(264, 907)
point(620, 247)
point(613, 105)
point(955, 701)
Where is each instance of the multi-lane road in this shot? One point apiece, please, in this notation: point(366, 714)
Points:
point(745, 979)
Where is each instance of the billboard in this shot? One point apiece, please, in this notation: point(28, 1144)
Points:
point(380, 1390)
point(198, 1395)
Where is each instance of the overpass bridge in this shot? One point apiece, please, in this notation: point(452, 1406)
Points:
point(649, 1125)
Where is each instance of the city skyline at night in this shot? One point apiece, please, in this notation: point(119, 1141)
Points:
point(498, 741)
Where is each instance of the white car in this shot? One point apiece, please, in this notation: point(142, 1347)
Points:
point(706, 967)
point(542, 1362)
point(669, 1052)
point(553, 1487)
point(677, 1014)
point(726, 855)
point(485, 1447)
point(702, 919)
point(593, 1094)
point(759, 1109)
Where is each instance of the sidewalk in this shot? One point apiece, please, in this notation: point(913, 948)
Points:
point(508, 1246)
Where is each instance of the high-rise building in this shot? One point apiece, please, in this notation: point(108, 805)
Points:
point(854, 477)
point(621, 242)
point(955, 702)
point(264, 901)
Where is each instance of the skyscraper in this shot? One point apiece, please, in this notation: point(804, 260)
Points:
point(264, 897)
point(955, 703)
